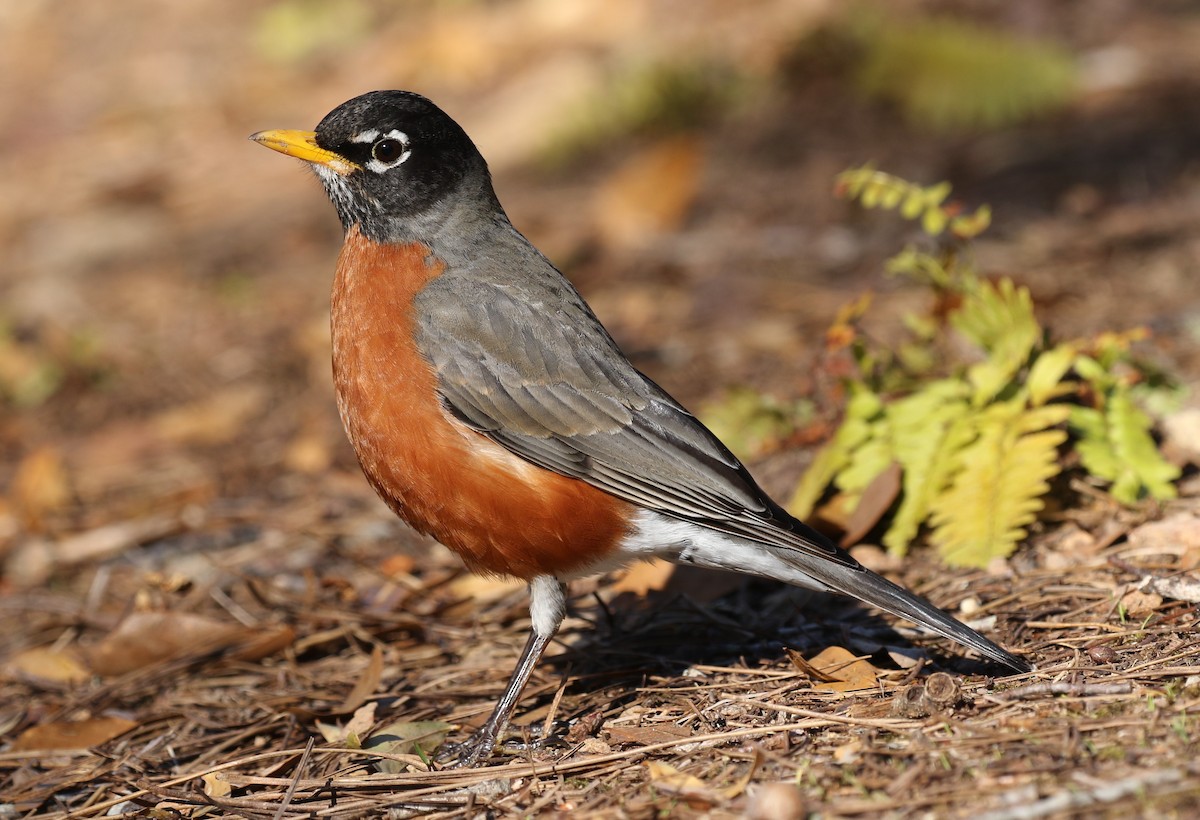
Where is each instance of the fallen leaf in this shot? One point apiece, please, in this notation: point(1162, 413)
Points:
point(309, 452)
point(216, 419)
point(367, 682)
point(71, 734)
point(873, 504)
point(1173, 535)
point(35, 561)
point(481, 589)
point(666, 778)
point(397, 564)
point(1139, 604)
point(646, 735)
point(353, 731)
point(848, 753)
point(807, 668)
point(215, 785)
point(145, 638)
point(852, 673)
point(264, 643)
point(421, 738)
point(649, 195)
point(644, 577)
point(39, 487)
point(46, 664)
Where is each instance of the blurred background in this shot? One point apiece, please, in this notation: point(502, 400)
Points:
point(164, 369)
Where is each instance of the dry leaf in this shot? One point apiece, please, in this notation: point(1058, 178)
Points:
point(873, 504)
point(1139, 604)
point(480, 589)
point(667, 778)
point(46, 664)
point(217, 419)
point(145, 638)
point(367, 683)
point(40, 487)
point(72, 734)
point(852, 673)
point(644, 576)
point(264, 642)
point(647, 735)
point(35, 561)
point(649, 195)
point(398, 564)
point(1173, 535)
point(848, 753)
point(215, 785)
point(309, 452)
point(807, 668)
point(353, 731)
point(421, 737)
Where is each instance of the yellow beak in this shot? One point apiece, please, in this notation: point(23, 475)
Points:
point(303, 145)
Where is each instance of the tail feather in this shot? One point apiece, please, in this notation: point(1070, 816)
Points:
point(860, 582)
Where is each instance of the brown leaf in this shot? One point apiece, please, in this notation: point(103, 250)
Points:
point(367, 683)
point(407, 738)
point(72, 734)
point(215, 785)
point(644, 576)
point(146, 638)
point(646, 735)
point(650, 194)
point(46, 664)
point(217, 419)
point(264, 643)
point(807, 668)
point(852, 673)
point(40, 487)
point(666, 778)
point(873, 505)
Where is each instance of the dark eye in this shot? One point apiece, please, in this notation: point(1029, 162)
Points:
point(387, 150)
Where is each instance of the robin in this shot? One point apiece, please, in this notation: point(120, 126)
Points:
point(491, 410)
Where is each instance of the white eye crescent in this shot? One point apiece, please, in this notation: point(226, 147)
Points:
point(388, 151)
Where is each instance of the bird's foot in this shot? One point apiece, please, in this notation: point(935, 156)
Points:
point(470, 752)
point(480, 746)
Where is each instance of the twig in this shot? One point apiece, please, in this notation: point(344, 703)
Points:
point(1062, 687)
point(290, 793)
point(1074, 798)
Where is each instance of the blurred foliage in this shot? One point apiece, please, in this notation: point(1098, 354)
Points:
point(651, 99)
point(943, 74)
point(751, 424)
point(36, 363)
point(290, 31)
point(977, 442)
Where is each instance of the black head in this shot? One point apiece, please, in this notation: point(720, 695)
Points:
point(388, 159)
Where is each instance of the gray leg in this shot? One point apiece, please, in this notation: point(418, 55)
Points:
point(547, 607)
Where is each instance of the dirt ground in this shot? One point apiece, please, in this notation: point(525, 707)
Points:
point(204, 610)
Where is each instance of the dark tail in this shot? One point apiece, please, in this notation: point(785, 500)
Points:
point(859, 582)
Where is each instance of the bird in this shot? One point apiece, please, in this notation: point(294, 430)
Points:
point(490, 408)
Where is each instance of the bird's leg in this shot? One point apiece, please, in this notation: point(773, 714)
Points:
point(547, 607)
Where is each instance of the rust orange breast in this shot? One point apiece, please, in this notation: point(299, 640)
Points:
point(497, 511)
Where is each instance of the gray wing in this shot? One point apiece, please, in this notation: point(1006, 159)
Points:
point(561, 395)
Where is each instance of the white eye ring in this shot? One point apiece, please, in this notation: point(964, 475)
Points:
point(395, 135)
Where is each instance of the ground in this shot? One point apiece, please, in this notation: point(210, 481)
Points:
point(205, 610)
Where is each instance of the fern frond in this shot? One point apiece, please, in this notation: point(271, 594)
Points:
point(862, 413)
point(1115, 445)
point(998, 317)
point(998, 490)
point(875, 189)
point(947, 74)
point(929, 429)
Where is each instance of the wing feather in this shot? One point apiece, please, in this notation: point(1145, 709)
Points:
point(561, 395)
